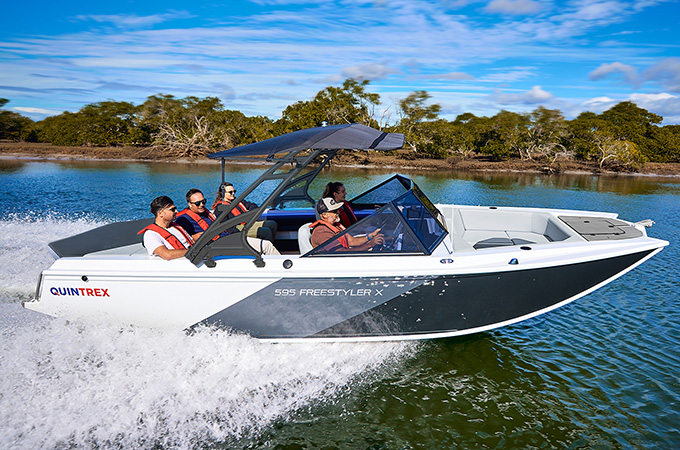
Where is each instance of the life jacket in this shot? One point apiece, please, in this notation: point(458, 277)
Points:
point(168, 236)
point(239, 209)
point(197, 217)
point(347, 216)
point(342, 240)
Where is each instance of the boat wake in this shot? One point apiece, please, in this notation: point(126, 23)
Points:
point(96, 385)
point(23, 247)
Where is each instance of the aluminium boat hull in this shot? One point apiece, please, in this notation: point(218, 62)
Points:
point(362, 299)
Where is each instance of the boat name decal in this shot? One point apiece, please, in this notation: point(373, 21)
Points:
point(85, 292)
point(328, 292)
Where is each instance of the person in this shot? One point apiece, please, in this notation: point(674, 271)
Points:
point(337, 192)
point(262, 229)
point(196, 218)
point(329, 225)
point(163, 237)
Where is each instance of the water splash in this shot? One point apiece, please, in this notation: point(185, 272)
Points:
point(96, 385)
point(68, 384)
point(23, 246)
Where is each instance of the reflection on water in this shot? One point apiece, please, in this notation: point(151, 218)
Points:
point(602, 372)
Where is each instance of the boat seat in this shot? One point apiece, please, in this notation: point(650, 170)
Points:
point(500, 242)
point(305, 238)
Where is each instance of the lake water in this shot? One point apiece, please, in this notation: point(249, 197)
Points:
point(602, 372)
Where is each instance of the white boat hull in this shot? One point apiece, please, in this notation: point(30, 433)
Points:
point(370, 297)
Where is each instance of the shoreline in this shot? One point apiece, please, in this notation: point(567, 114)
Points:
point(359, 160)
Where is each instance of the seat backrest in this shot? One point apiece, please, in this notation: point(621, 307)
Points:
point(305, 238)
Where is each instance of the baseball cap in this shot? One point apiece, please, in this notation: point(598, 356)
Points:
point(327, 204)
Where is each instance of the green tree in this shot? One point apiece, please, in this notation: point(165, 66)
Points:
point(466, 134)
point(547, 133)
point(633, 124)
point(413, 112)
point(667, 140)
point(108, 123)
point(12, 125)
point(596, 138)
point(64, 129)
point(348, 103)
point(505, 135)
point(183, 128)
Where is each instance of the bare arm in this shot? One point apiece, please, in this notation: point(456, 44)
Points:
point(365, 242)
point(168, 254)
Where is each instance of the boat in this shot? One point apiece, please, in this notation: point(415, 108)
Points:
point(444, 270)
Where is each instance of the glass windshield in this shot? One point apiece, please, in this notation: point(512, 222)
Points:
point(406, 224)
point(384, 192)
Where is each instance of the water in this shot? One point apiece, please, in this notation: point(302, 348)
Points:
point(600, 373)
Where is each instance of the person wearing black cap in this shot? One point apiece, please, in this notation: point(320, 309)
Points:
point(328, 226)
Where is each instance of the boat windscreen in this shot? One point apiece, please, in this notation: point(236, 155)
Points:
point(406, 224)
point(421, 219)
point(386, 191)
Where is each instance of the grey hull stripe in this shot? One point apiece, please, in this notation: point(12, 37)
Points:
point(357, 307)
point(301, 307)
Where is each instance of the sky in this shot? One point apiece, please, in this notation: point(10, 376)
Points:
point(259, 56)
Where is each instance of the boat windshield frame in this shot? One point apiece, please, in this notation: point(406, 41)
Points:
point(410, 224)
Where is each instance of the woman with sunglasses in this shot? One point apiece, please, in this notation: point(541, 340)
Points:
point(262, 229)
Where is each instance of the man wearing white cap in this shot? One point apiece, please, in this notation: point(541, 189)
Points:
point(329, 225)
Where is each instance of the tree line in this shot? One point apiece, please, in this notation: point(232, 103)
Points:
point(192, 127)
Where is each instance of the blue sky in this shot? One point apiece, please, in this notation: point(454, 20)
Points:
point(259, 56)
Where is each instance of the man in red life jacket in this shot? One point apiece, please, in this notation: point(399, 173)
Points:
point(329, 225)
point(196, 218)
point(165, 238)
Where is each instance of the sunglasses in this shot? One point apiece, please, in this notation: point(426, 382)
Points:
point(173, 209)
point(230, 192)
point(199, 203)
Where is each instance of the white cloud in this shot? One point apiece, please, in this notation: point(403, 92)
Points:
point(598, 10)
point(285, 52)
point(453, 76)
point(664, 104)
point(534, 96)
point(26, 109)
point(368, 71)
point(666, 73)
point(133, 20)
point(513, 6)
point(509, 75)
point(629, 72)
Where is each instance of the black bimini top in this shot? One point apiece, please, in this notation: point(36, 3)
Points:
point(333, 137)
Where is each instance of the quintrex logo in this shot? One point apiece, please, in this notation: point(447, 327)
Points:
point(85, 292)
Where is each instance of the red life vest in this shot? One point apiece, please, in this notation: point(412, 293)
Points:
point(342, 240)
point(238, 209)
point(347, 216)
point(197, 218)
point(168, 236)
